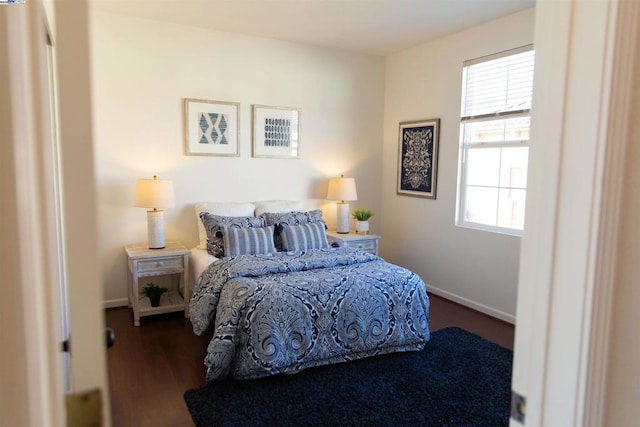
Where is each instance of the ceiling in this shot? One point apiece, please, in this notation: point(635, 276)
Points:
point(379, 27)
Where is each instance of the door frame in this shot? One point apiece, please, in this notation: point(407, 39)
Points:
point(31, 369)
point(28, 234)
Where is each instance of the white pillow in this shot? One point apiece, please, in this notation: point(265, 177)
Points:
point(222, 209)
point(278, 206)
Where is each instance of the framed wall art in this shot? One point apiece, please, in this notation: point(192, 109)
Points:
point(276, 132)
point(418, 158)
point(211, 128)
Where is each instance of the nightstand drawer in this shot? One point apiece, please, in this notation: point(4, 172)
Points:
point(365, 245)
point(363, 242)
point(167, 263)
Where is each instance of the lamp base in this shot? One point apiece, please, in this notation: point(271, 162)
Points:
point(343, 218)
point(155, 229)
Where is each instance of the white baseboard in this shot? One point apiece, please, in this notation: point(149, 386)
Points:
point(509, 318)
point(113, 303)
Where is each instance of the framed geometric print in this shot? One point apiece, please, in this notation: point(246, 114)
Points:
point(276, 132)
point(418, 158)
point(211, 128)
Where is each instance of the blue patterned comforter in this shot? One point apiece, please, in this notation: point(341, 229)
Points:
point(283, 312)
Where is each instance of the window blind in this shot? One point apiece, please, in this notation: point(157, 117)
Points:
point(500, 86)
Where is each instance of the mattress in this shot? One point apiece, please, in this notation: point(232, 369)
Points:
point(199, 260)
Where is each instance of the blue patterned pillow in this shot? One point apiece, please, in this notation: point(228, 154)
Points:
point(213, 226)
point(248, 241)
point(279, 220)
point(304, 236)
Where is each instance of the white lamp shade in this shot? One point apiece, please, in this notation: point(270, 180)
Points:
point(342, 189)
point(154, 193)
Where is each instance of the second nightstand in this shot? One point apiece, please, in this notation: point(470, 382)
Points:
point(145, 262)
point(365, 242)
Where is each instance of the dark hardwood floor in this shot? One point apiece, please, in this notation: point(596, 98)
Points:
point(151, 366)
point(445, 313)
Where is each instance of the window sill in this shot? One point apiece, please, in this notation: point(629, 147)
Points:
point(490, 229)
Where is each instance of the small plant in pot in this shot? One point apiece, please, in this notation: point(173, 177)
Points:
point(362, 219)
point(154, 292)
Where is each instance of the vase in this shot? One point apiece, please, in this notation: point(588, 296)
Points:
point(362, 227)
point(155, 300)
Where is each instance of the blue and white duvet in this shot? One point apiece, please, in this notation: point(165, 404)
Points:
point(283, 312)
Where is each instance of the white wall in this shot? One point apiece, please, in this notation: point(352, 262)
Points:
point(143, 69)
point(476, 268)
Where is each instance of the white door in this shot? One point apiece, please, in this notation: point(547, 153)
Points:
point(88, 358)
point(584, 61)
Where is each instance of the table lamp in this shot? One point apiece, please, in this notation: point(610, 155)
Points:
point(342, 189)
point(154, 194)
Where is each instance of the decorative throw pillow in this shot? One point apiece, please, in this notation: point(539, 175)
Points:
point(213, 226)
point(248, 241)
point(304, 236)
point(290, 218)
point(221, 209)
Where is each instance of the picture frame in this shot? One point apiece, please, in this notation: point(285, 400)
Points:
point(276, 132)
point(212, 128)
point(418, 158)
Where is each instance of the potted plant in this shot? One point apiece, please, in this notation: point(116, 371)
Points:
point(362, 219)
point(154, 292)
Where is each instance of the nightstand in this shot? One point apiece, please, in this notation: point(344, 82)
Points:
point(143, 262)
point(365, 242)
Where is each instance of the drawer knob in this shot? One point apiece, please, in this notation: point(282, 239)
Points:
point(159, 264)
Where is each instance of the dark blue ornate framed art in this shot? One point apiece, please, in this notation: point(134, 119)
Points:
point(418, 158)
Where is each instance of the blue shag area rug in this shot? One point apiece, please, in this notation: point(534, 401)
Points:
point(459, 379)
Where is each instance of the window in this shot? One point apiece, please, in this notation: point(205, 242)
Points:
point(494, 141)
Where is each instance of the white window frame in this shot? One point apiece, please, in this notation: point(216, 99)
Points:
point(466, 146)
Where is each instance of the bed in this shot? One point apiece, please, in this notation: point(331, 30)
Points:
point(282, 300)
